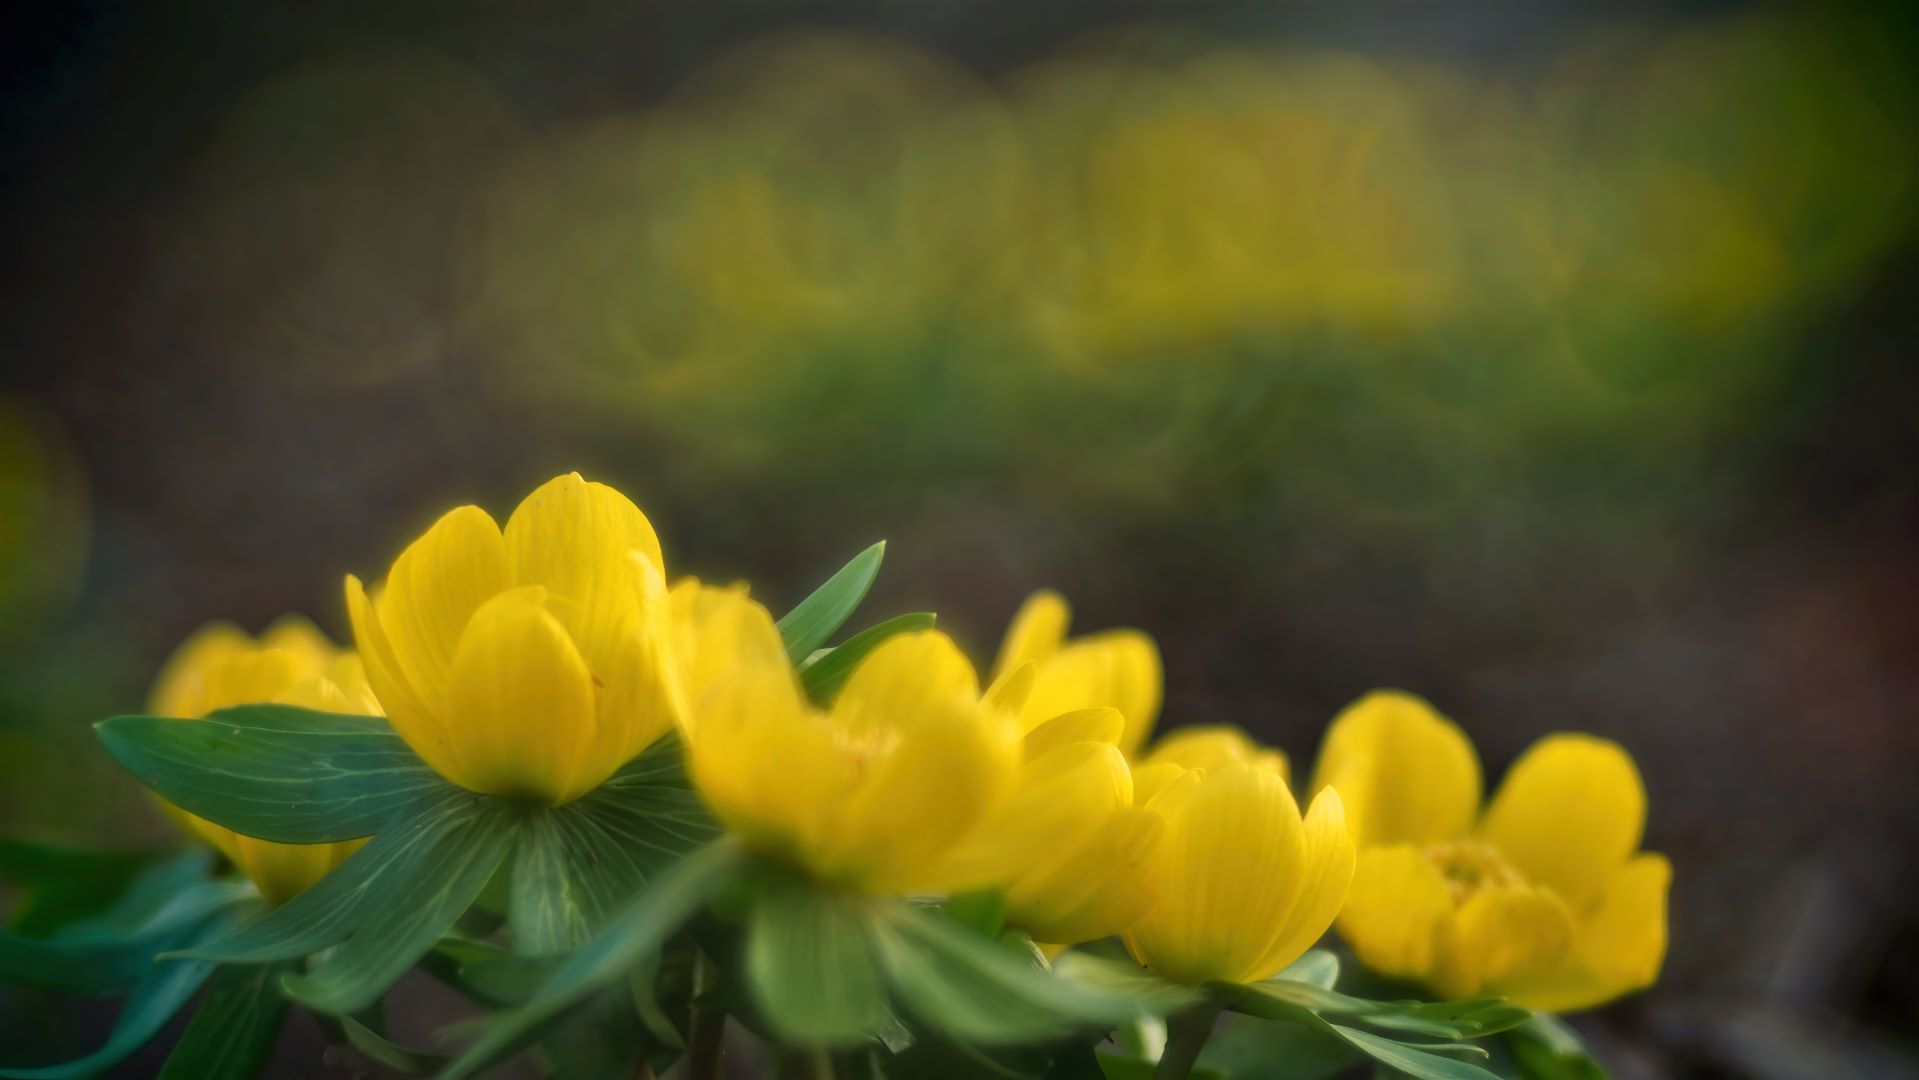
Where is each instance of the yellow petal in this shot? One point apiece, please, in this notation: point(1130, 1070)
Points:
point(574, 538)
point(1119, 668)
point(1229, 867)
point(1010, 689)
point(1151, 782)
point(1618, 947)
point(1060, 798)
point(770, 768)
point(182, 687)
point(1212, 746)
point(424, 730)
point(521, 708)
point(435, 586)
point(1569, 814)
point(1094, 889)
point(1407, 774)
point(1101, 725)
point(1501, 933)
point(910, 676)
point(296, 635)
point(642, 694)
point(1396, 912)
point(940, 775)
point(282, 871)
point(1036, 632)
point(718, 630)
point(1324, 881)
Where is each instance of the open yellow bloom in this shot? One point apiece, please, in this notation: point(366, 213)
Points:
point(533, 661)
point(219, 666)
point(1545, 898)
point(1246, 884)
point(1116, 668)
point(1070, 849)
point(872, 794)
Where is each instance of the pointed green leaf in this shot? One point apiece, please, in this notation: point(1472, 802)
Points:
point(487, 973)
point(632, 935)
point(159, 994)
point(807, 626)
point(1411, 1060)
point(383, 1051)
point(232, 1035)
point(1152, 995)
point(969, 987)
point(810, 962)
point(826, 672)
point(569, 876)
point(1320, 968)
point(332, 909)
point(82, 962)
point(58, 885)
point(408, 909)
point(1547, 1048)
point(277, 772)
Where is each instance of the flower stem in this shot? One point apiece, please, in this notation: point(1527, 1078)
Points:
point(1186, 1036)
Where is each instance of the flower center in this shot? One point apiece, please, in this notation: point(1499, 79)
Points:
point(1470, 866)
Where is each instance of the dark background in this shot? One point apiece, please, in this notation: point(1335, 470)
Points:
point(1556, 362)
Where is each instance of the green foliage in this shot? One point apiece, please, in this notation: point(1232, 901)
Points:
point(275, 771)
point(825, 672)
point(809, 624)
point(811, 963)
point(232, 1035)
point(1547, 1048)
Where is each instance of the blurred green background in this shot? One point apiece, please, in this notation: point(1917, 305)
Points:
point(1555, 363)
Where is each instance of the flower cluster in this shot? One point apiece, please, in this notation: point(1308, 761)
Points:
point(544, 681)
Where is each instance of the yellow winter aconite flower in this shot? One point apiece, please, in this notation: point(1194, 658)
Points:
point(291, 664)
point(1070, 849)
point(1544, 898)
point(1117, 668)
point(872, 794)
point(1246, 884)
point(531, 661)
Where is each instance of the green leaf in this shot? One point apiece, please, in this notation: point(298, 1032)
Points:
point(569, 875)
point(656, 823)
point(59, 885)
point(153, 1001)
point(277, 772)
point(810, 962)
point(1249, 1046)
point(1152, 995)
point(826, 672)
point(155, 892)
point(487, 973)
point(92, 961)
point(1547, 1048)
point(1118, 1067)
point(1410, 1060)
point(807, 626)
point(1302, 1003)
point(969, 987)
point(332, 909)
point(982, 911)
point(383, 1051)
point(406, 911)
point(1320, 968)
point(234, 1032)
point(636, 933)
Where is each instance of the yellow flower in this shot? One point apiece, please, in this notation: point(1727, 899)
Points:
point(872, 794)
point(1212, 746)
point(291, 664)
point(1246, 885)
point(531, 662)
point(1544, 898)
point(1117, 668)
point(1070, 849)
